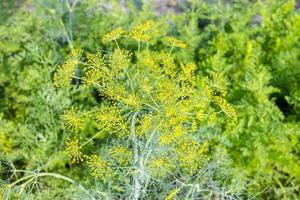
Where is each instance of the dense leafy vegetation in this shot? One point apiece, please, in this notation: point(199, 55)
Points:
point(110, 100)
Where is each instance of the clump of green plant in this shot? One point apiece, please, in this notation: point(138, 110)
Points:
point(146, 124)
point(255, 45)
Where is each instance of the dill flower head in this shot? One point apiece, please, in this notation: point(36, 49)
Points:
point(172, 194)
point(75, 55)
point(65, 72)
point(73, 150)
point(191, 155)
point(226, 107)
point(95, 71)
point(73, 120)
point(113, 35)
point(143, 32)
point(122, 155)
point(99, 167)
point(118, 61)
point(175, 42)
point(160, 167)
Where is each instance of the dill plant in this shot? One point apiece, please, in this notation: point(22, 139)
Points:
point(146, 125)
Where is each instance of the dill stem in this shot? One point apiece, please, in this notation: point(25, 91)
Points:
point(129, 78)
point(136, 182)
point(91, 138)
point(58, 176)
point(139, 45)
point(147, 44)
point(170, 50)
point(117, 43)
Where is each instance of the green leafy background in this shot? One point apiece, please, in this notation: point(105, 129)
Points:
point(254, 44)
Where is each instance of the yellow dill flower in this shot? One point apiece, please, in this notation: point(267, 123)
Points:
point(207, 90)
point(75, 55)
point(226, 107)
point(160, 167)
point(176, 133)
point(110, 119)
point(172, 194)
point(114, 90)
point(122, 155)
point(167, 90)
point(142, 32)
point(168, 63)
point(166, 139)
point(177, 120)
point(73, 120)
point(113, 35)
point(73, 150)
point(191, 155)
point(170, 110)
point(175, 42)
point(147, 26)
point(66, 71)
point(150, 63)
point(188, 73)
point(133, 101)
point(118, 61)
point(99, 167)
point(145, 125)
point(96, 70)
point(167, 106)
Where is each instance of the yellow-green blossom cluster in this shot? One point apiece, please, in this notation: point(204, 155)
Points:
point(152, 109)
point(161, 166)
point(143, 32)
point(98, 166)
point(66, 71)
point(191, 155)
point(73, 120)
point(73, 150)
point(175, 42)
point(113, 35)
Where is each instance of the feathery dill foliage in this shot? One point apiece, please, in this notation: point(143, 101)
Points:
point(150, 116)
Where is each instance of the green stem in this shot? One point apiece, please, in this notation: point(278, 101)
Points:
point(170, 50)
point(139, 45)
point(43, 174)
point(136, 180)
point(117, 44)
point(91, 138)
